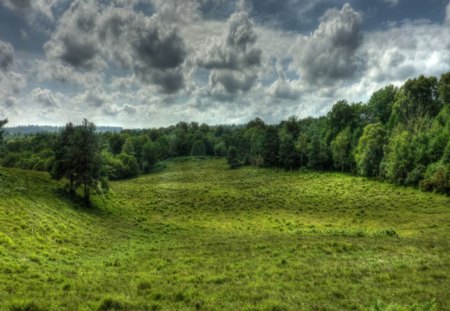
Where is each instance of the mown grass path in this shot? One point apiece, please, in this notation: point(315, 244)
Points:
point(200, 236)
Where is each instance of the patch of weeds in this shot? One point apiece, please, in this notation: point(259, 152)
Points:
point(6, 240)
point(426, 306)
point(26, 306)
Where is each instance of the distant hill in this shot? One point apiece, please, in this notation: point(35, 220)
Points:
point(35, 129)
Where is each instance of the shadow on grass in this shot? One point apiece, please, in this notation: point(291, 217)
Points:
point(78, 202)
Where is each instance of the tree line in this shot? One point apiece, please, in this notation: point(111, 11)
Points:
point(402, 134)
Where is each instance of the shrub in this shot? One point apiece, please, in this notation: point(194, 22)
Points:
point(437, 178)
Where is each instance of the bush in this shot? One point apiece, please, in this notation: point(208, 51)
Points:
point(437, 178)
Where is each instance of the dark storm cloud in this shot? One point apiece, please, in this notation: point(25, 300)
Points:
point(158, 55)
point(6, 56)
point(73, 42)
point(328, 54)
point(158, 50)
point(89, 37)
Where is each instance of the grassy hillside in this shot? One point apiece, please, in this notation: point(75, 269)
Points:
point(200, 236)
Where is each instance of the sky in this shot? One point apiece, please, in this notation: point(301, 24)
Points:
point(153, 63)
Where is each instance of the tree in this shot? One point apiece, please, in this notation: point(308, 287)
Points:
point(398, 159)
point(220, 149)
point(341, 150)
point(341, 116)
point(87, 158)
point(116, 142)
point(287, 156)
point(198, 149)
point(380, 104)
point(232, 157)
point(270, 146)
point(369, 152)
point(64, 164)
point(416, 99)
point(2, 124)
point(129, 166)
point(3, 149)
point(77, 157)
point(302, 148)
point(150, 152)
point(444, 88)
point(128, 148)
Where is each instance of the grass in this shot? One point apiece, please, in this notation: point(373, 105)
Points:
point(198, 236)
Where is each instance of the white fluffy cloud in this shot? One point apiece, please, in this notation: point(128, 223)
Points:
point(328, 55)
point(233, 58)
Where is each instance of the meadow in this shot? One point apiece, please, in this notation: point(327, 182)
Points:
point(199, 236)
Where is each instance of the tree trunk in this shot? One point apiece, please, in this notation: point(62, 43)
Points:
point(86, 194)
point(71, 184)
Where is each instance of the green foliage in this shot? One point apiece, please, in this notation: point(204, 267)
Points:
point(302, 149)
point(232, 157)
point(437, 178)
point(369, 152)
point(444, 88)
point(220, 149)
point(198, 148)
point(416, 99)
point(129, 167)
point(270, 146)
point(2, 124)
point(380, 104)
point(398, 160)
point(150, 155)
point(288, 156)
point(341, 150)
point(77, 157)
point(128, 148)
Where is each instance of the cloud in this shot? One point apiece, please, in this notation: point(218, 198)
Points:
point(11, 83)
point(232, 81)
point(93, 38)
point(284, 89)
point(328, 54)
point(73, 42)
point(404, 51)
point(45, 97)
point(129, 109)
point(17, 4)
point(447, 13)
point(158, 53)
point(55, 71)
point(6, 56)
point(10, 102)
point(392, 2)
point(178, 11)
point(34, 10)
point(96, 98)
point(233, 58)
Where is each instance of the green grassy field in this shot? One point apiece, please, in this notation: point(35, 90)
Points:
point(200, 236)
